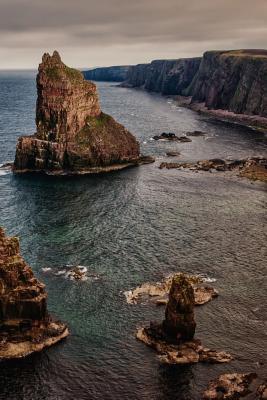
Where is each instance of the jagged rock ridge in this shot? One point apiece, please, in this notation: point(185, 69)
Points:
point(73, 134)
point(25, 325)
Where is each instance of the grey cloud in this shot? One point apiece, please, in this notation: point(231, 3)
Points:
point(86, 24)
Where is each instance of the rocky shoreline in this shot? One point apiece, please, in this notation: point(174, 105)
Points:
point(254, 168)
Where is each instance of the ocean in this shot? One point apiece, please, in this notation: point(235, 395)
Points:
point(131, 227)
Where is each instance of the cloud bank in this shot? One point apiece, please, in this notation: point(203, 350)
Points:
point(108, 32)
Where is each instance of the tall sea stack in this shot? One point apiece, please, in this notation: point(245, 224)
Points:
point(25, 325)
point(73, 135)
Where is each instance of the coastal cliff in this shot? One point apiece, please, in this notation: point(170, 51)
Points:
point(25, 325)
point(232, 80)
point(163, 76)
point(109, 74)
point(229, 85)
point(73, 134)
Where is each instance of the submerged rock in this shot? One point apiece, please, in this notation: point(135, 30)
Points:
point(173, 153)
point(174, 339)
point(254, 168)
point(25, 325)
point(172, 137)
point(229, 386)
point(158, 292)
point(196, 133)
point(73, 134)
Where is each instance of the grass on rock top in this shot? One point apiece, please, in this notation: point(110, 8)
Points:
point(56, 73)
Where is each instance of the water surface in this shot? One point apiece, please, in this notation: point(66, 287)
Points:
point(129, 227)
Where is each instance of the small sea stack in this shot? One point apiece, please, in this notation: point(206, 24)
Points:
point(25, 325)
point(173, 339)
point(73, 135)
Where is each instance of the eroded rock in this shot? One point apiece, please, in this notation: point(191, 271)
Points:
point(158, 292)
point(254, 168)
point(229, 386)
point(25, 325)
point(73, 135)
point(173, 339)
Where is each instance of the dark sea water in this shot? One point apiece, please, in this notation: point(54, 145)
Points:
point(129, 227)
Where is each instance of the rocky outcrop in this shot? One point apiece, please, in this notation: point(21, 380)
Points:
point(73, 135)
point(179, 322)
point(25, 325)
point(174, 339)
point(254, 168)
point(168, 77)
point(229, 386)
point(158, 292)
point(108, 74)
point(232, 80)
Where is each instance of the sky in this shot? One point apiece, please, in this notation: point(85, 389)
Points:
point(89, 33)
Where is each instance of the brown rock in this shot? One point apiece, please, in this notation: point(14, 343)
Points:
point(25, 325)
point(229, 386)
point(173, 338)
point(179, 320)
point(254, 168)
point(189, 352)
point(158, 292)
point(73, 135)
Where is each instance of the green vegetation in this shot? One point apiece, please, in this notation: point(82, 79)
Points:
point(56, 73)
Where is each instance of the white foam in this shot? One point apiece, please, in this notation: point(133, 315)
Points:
point(46, 269)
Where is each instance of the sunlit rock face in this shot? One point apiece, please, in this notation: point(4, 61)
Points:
point(73, 134)
point(25, 325)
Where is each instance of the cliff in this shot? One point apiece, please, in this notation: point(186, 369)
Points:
point(109, 74)
point(232, 80)
point(25, 325)
point(73, 135)
point(164, 76)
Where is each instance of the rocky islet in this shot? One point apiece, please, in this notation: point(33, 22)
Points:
point(73, 135)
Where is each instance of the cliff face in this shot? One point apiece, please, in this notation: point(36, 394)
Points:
point(109, 74)
point(163, 76)
point(232, 80)
point(72, 132)
point(25, 325)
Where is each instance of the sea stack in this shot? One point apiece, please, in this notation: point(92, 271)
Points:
point(73, 134)
point(179, 322)
point(25, 325)
point(173, 339)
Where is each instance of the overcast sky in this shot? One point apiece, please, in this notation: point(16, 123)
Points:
point(112, 32)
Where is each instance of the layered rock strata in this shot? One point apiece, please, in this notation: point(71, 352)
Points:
point(168, 77)
point(25, 325)
point(173, 339)
point(73, 135)
point(108, 74)
point(232, 80)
